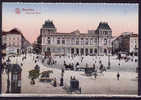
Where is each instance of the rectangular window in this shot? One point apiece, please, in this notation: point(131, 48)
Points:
point(82, 41)
point(48, 41)
point(58, 41)
point(63, 41)
point(72, 41)
point(105, 41)
point(91, 41)
point(86, 42)
point(77, 41)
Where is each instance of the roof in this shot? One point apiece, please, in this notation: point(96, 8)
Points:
point(13, 31)
point(134, 35)
point(4, 33)
point(104, 25)
point(48, 24)
point(69, 34)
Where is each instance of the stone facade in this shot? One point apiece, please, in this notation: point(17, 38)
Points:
point(127, 42)
point(13, 41)
point(95, 42)
point(134, 43)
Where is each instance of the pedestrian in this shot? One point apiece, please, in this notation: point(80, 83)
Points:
point(119, 64)
point(86, 65)
point(118, 75)
point(95, 74)
point(94, 67)
point(55, 83)
point(100, 62)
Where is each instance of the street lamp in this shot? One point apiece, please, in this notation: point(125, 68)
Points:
point(62, 79)
point(109, 61)
point(109, 56)
point(98, 42)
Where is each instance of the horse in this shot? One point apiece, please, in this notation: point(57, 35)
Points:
point(69, 66)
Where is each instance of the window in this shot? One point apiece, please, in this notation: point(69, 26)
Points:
point(86, 42)
point(106, 32)
point(91, 51)
point(95, 50)
point(9, 44)
point(95, 40)
point(72, 41)
point(135, 46)
point(58, 41)
point(48, 41)
point(63, 41)
point(82, 41)
point(91, 41)
point(43, 40)
point(77, 41)
point(14, 44)
point(105, 41)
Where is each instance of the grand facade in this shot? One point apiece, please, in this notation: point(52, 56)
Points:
point(95, 42)
point(13, 42)
point(127, 42)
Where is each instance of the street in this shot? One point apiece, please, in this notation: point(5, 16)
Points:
point(105, 83)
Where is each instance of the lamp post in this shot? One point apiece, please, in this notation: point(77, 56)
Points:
point(109, 60)
point(98, 42)
point(109, 56)
point(62, 79)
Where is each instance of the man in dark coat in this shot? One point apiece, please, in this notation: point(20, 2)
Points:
point(118, 75)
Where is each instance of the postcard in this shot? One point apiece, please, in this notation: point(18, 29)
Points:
point(70, 48)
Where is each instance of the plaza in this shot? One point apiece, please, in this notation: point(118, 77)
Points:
point(105, 83)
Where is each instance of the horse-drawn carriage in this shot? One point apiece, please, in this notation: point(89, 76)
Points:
point(89, 71)
point(69, 67)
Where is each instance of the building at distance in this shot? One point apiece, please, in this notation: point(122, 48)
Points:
point(95, 42)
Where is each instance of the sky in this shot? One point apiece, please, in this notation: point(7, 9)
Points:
point(68, 17)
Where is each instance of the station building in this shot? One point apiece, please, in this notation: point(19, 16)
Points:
point(95, 42)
